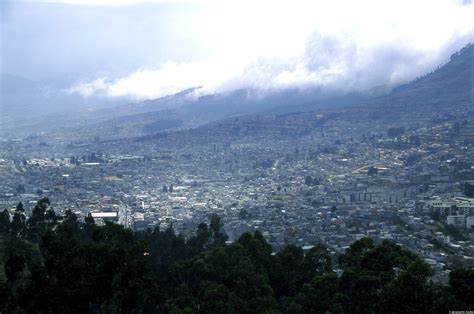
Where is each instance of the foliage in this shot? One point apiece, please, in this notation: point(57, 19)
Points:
point(79, 267)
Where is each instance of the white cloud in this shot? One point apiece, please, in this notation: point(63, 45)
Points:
point(88, 89)
point(112, 3)
point(275, 44)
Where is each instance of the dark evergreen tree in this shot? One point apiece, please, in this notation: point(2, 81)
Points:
point(215, 227)
point(461, 282)
point(84, 268)
point(321, 295)
point(317, 261)
point(18, 223)
point(37, 224)
point(4, 222)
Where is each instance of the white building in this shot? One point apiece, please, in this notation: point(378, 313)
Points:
point(456, 220)
point(470, 222)
point(449, 206)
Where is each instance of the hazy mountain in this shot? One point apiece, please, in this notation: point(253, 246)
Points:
point(444, 94)
point(183, 110)
point(17, 94)
point(450, 84)
point(24, 98)
point(29, 107)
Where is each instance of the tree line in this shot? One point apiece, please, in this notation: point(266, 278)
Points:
point(55, 264)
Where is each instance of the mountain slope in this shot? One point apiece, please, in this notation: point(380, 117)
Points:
point(436, 92)
point(450, 84)
point(442, 95)
point(182, 111)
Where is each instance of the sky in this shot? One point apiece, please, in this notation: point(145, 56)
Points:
point(148, 49)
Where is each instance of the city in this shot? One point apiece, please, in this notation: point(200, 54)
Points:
point(307, 178)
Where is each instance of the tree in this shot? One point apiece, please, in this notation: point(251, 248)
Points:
point(413, 287)
point(37, 224)
point(461, 282)
point(23, 268)
point(51, 218)
point(70, 218)
point(356, 252)
point(319, 296)
point(257, 248)
point(18, 224)
point(367, 270)
point(202, 235)
point(289, 274)
point(109, 268)
point(89, 220)
point(4, 222)
point(88, 227)
point(20, 208)
point(226, 278)
point(317, 261)
point(215, 227)
point(70, 222)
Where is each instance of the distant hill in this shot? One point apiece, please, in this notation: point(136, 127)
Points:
point(28, 106)
point(450, 84)
point(442, 95)
point(183, 111)
point(24, 98)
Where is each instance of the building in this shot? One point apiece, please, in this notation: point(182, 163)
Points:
point(470, 222)
point(101, 217)
point(452, 206)
point(456, 220)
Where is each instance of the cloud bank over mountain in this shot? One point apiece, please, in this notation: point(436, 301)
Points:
point(222, 46)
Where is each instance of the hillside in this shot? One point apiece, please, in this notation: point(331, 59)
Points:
point(450, 84)
point(443, 95)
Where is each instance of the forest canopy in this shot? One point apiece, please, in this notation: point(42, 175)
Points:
point(53, 264)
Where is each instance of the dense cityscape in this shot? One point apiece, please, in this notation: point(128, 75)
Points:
point(329, 177)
